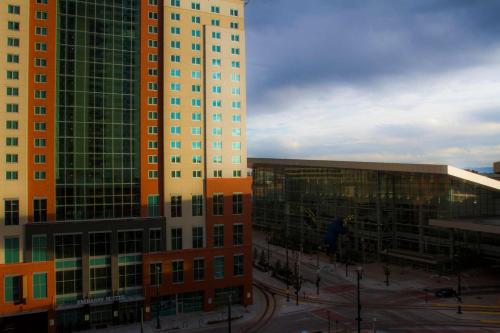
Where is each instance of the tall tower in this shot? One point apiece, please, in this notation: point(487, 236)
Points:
point(124, 158)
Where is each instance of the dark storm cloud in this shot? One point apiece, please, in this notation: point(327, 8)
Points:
point(301, 43)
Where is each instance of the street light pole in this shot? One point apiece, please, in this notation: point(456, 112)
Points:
point(358, 319)
point(268, 238)
point(158, 302)
point(459, 286)
point(229, 314)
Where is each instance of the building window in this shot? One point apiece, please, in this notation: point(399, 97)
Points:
point(11, 175)
point(129, 242)
point(12, 75)
point(68, 246)
point(154, 240)
point(11, 250)
point(39, 210)
point(218, 235)
point(153, 205)
point(155, 274)
point(39, 248)
point(176, 237)
point(195, 5)
point(12, 25)
point(197, 205)
point(39, 158)
point(236, 173)
point(12, 288)
point(100, 278)
point(130, 276)
point(197, 237)
point(12, 108)
point(196, 173)
point(237, 203)
point(11, 215)
point(219, 267)
point(177, 271)
point(69, 282)
point(176, 206)
point(40, 175)
point(99, 244)
point(13, 58)
point(12, 124)
point(217, 173)
point(198, 269)
point(218, 204)
point(11, 158)
point(12, 91)
point(39, 285)
point(11, 41)
point(41, 15)
point(13, 9)
point(238, 264)
point(237, 234)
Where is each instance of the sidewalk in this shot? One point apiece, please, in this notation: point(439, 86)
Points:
point(404, 280)
point(196, 321)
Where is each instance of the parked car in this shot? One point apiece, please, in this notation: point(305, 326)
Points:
point(446, 293)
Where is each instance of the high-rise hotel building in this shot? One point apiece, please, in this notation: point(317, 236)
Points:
point(123, 161)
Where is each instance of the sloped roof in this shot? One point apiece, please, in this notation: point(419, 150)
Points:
point(377, 166)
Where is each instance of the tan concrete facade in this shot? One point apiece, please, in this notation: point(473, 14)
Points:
point(14, 125)
point(204, 80)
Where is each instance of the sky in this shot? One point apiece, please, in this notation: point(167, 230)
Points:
point(414, 81)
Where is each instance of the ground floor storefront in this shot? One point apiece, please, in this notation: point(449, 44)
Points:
point(101, 314)
point(98, 315)
point(25, 323)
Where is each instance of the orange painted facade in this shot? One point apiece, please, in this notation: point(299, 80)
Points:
point(148, 110)
point(42, 188)
point(227, 186)
point(26, 270)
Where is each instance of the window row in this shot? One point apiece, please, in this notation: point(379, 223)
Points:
point(198, 269)
point(218, 203)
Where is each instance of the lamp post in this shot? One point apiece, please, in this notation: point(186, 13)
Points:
point(358, 271)
point(268, 238)
point(459, 285)
point(318, 279)
point(229, 314)
point(387, 272)
point(158, 302)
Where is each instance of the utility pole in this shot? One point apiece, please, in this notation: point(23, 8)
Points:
point(229, 314)
point(387, 272)
point(142, 320)
point(298, 284)
point(158, 302)
point(318, 279)
point(268, 250)
point(358, 319)
point(329, 322)
point(459, 285)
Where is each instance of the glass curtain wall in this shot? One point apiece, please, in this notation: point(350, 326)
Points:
point(98, 109)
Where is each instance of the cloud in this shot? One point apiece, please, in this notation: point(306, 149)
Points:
point(374, 80)
point(403, 119)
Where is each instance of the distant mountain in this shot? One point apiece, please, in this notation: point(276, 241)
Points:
point(481, 169)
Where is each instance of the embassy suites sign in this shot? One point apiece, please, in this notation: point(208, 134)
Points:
point(99, 300)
